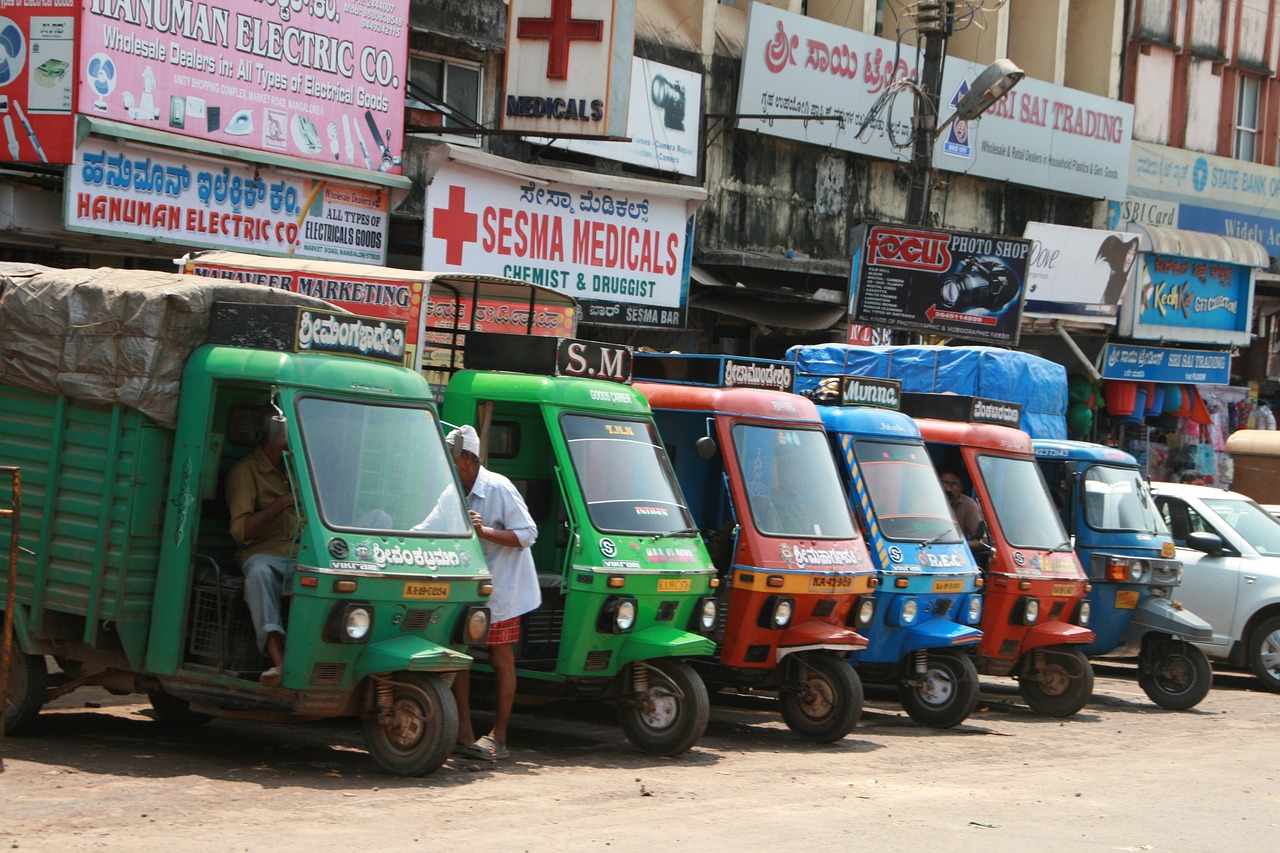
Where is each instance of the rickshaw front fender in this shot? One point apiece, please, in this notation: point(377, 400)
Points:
point(938, 634)
point(813, 634)
point(409, 654)
point(1160, 616)
point(1056, 633)
point(662, 641)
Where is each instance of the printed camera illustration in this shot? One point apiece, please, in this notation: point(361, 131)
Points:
point(668, 97)
point(979, 282)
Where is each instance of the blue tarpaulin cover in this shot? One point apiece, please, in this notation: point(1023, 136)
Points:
point(1037, 384)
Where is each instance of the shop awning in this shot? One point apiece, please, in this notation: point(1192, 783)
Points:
point(1198, 244)
point(778, 307)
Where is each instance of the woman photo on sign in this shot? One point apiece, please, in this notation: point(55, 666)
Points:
point(1119, 256)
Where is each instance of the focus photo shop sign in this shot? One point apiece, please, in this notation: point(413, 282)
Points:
point(939, 282)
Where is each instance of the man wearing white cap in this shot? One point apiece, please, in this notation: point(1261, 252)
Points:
point(506, 532)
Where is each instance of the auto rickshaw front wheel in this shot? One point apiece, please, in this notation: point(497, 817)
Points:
point(413, 725)
point(821, 697)
point(666, 708)
point(945, 694)
point(1174, 674)
point(1056, 682)
point(24, 695)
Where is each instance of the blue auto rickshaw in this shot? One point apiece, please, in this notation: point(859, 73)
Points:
point(1127, 552)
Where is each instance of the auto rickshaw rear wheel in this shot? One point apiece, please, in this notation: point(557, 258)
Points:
point(1263, 653)
point(945, 694)
point(821, 697)
point(173, 711)
point(1176, 676)
point(665, 708)
point(24, 695)
point(1056, 682)
point(414, 733)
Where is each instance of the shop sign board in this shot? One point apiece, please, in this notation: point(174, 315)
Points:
point(1190, 299)
point(1078, 273)
point(627, 247)
point(1038, 135)
point(1160, 364)
point(568, 69)
point(662, 121)
point(37, 80)
point(1175, 188)
point(939, 282)
point(136, 192)
point(317, 80)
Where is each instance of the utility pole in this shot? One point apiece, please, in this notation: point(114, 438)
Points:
point(933, 23)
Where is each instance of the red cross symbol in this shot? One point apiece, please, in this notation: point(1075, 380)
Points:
point(454, 225)
point(559, 30)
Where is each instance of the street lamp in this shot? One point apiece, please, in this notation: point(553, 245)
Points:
point(989, 86)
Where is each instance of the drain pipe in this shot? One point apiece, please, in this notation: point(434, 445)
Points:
point(1094, 374)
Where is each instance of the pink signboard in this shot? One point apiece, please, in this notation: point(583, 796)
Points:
point(37, 73)
point(317, 80)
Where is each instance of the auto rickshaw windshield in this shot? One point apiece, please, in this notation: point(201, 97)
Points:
point(1023, 509)
point(380, 468)
point(625, 476)
point(792, 484)
point(903, 487)
point(1118, 499)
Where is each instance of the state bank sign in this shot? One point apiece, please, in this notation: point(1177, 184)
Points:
point(621, 246)
point(569, 67)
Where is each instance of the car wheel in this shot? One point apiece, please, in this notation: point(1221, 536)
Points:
point(1264, 653)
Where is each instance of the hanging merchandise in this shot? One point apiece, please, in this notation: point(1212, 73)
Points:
point(1155, 399)
point(1172, 399)
point(1120, 396)
point(1079, 420)
point(1199, 409)
point(1187, 402)
point(1139, 404)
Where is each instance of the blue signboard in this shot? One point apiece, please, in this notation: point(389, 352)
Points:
point(1157, 364)
point(1193, 293)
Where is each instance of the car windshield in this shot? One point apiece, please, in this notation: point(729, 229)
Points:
point(1258, 527)
point(908, 501)
point(1118, 499)
point(380, 468)
point(625, 476)
point(792, 485)
point(1023, 508)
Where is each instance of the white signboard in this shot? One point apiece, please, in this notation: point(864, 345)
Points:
point(1078, 273)
point(666, 103)
point(568, 66)
point(589, 242)
point(142, 193)
point(1039, 134)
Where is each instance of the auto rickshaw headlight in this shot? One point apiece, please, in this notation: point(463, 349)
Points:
point(865, 611)
point(349, 622)
point(776, 612)
point(704, 616)
point(1027, 610)
point(1083, 614)
point(904, 611)
point(973, 610)
point(475, 626)
point(1137, 570)
point(618, 616)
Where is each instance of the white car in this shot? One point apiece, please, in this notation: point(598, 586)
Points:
point(1230, 552)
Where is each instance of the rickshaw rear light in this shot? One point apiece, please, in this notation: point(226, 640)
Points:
point(902, 583)
point(1118, 570)
point(617, 581)
point(775, 581)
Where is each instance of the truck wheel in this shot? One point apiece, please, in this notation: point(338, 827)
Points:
point(670, 715)
point(1059, 686)
point(945, 694)
point(173, 711)
point(1177, 676)
point(821, 697)
point(415, 735)
point(28, 678)
point(1264, 653)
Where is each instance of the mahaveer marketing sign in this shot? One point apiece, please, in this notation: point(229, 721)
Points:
point(589, 242)
point(191, 200)
point(939, 282)
point(37, 77)
point(317, 79)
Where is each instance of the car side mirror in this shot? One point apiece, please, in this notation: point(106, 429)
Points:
point(705, 447)
point(1210, 543)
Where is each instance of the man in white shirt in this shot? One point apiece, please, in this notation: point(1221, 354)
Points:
point(506, 532)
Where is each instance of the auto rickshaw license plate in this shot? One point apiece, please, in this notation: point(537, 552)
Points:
point(1064, 589)
point(830, 583)
point(948, 586)
point(1126, 599)
point(418, 589)
point(674, 584)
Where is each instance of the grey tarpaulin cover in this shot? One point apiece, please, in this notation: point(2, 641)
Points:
point(112, 336)
point(1038, 384)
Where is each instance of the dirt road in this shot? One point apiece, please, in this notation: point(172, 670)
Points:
point(1121, 775)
